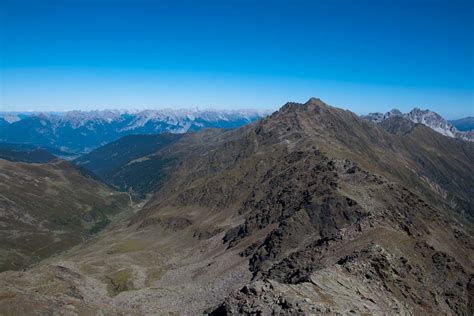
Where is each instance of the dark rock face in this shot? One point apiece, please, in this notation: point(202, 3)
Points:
point(408, 280)
point(448, 284)
point(301, 197)
point(259, 299)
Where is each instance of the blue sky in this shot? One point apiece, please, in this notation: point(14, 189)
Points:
point(362, 55)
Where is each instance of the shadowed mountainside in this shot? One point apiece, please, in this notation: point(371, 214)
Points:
point(109, 161)
point(28, 155)
point(31, 153)
point(464, 124)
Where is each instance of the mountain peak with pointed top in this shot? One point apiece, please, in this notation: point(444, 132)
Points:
point(315, 101)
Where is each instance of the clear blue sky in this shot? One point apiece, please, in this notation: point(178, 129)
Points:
point(361, 55)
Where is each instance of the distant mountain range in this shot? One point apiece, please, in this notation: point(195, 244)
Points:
point(80, 132)
point(73, 133)
point(432, 120)
point(464, 124)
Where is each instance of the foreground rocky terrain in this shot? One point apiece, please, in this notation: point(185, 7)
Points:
point(312, 210)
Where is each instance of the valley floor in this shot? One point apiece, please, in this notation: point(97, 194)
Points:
point(128, 271)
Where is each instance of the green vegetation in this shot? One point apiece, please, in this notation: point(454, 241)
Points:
point(129, 246)
point(99, 226)
point(119, 281)
point(72, 221)
point(143, 177)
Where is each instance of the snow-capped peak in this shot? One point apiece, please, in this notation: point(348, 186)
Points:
point(433, 120)
point(425, 117)
point(82, 131)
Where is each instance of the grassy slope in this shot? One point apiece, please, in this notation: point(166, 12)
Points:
point(46, 208)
